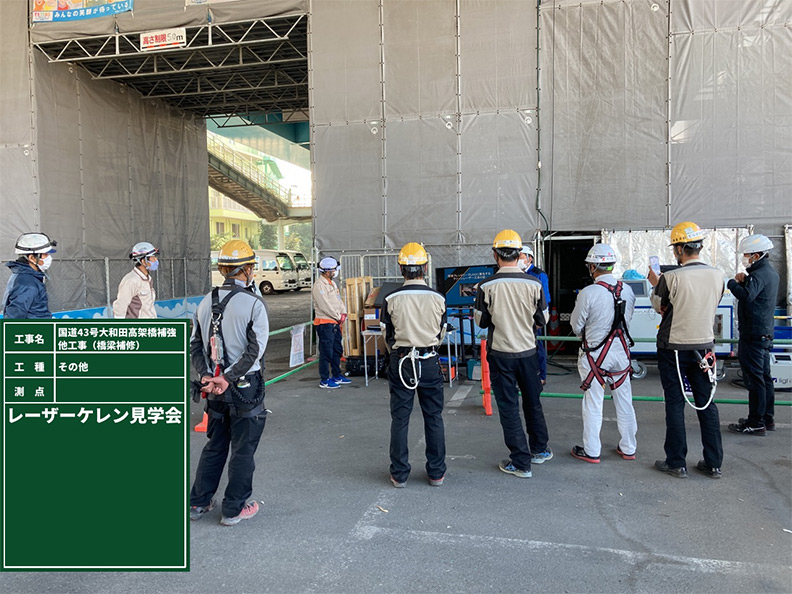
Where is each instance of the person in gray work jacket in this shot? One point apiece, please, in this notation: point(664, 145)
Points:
point(687, 298)
point(413, 318)
point(509, 304)
point(230, 332)
point(756, 291)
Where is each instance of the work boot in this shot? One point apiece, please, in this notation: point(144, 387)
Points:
point(663, 466)
point(714, 473)
point(746, 429)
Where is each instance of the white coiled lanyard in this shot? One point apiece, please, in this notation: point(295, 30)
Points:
point(415, 360)
point(707, 364)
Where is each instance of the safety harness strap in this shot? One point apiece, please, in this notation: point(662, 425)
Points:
point(618, 329)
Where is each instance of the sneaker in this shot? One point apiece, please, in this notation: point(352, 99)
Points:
point(509, 468)
point(342, 380)
point(746, 429)
point(769, 425)
point(198, 511)
point(623, 455)
point(329, 384)
point(397, 484)
point(436, 482)
point(680, 472)
point(702, 467)
point(579, 453)
point(542, 457)
point(251, 509)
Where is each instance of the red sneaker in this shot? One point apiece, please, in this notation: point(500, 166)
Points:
point(251, 509)
point(579, 453)
point(623, 455)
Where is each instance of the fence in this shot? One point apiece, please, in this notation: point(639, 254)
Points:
point(93, 282)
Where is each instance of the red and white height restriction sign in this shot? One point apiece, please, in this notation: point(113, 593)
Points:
point(153, 40)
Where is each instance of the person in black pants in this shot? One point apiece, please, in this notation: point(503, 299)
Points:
point(687, 298)
point(756, 291)
point(509, 304)
point(229, 337)
point(413, 318)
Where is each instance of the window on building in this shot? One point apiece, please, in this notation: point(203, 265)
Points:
point(219, 228)
point(235, 229)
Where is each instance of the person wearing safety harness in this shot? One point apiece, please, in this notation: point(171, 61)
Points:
point(601, 317)
point(413, 319)
point(136, 294)
point(687, 298)
point(526, 264)
point(756, 291)
point(509, 304)
point(26, 295)
point(329, 317)
point(230, 332)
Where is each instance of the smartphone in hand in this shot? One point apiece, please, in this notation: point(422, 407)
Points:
point(654, 264)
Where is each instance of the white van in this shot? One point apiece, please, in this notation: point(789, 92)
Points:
point(274, 272)
point(303, 269)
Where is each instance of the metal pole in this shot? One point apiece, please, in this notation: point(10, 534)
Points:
point(107, 280)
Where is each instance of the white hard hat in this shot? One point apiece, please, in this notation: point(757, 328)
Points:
point(601, 253)
point(754, 244)
point(527, 249)
point(328, 263)
point(34, 243)
point(143, 249)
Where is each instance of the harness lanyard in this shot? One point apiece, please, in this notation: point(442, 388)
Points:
point(707, 365)
point(413, 356)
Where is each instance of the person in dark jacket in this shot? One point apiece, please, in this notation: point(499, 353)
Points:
point(25, 295)
point(756, 291)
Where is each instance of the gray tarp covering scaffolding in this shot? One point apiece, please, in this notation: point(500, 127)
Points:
point(649, 113)
point(440, 121)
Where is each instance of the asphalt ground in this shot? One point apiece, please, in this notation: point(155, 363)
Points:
point(331, 522)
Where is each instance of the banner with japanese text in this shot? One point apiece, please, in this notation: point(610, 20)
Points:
point(73, 10)
point(95, 418)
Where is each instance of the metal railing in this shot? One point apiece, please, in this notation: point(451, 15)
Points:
point(247, 166)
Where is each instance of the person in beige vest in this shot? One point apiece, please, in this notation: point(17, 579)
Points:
point(136, 294)
point(330, 315)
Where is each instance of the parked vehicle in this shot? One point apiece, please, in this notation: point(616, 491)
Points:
point(275, 272)
point(303, 269)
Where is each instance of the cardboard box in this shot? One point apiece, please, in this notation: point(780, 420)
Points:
point(371, 318)
point(372, 297)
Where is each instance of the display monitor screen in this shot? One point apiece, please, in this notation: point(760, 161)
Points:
point(459, 284)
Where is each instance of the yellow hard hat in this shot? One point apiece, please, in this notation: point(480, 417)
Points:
point(686, 232)
point(508, 239)
point(413, 254)
point(236, 253)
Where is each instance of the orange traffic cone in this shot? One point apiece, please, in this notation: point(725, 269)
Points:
point(201, 427)
point(486, 399)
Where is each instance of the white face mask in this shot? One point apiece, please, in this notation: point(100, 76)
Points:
point(522, 264)
point(335, 273)
point(47, 262)
point(746, 261)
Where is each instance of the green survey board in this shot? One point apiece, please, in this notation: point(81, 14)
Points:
point(95, 456)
